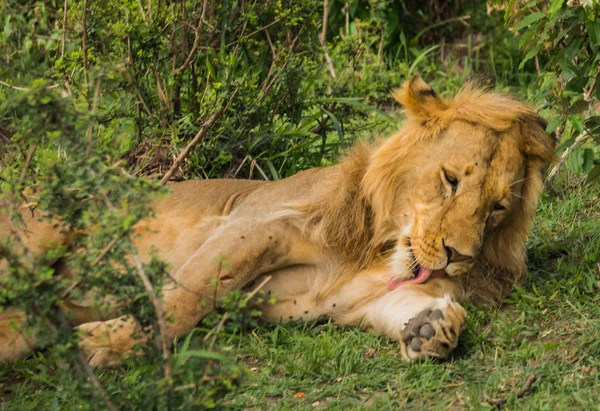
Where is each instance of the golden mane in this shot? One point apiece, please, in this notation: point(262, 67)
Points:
point(359, 214)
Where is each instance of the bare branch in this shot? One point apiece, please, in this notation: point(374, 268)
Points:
point(84, 45)
point(93, 105)
point(160, 315)
point(2, 83)
point(186, 151)
point(25, 165)
point(254, 32)
point(95, 382)
point(322, 39)
point(578, 141)
point(64, 28)
point(190, 56)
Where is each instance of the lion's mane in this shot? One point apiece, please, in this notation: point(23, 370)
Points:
point(357, 216)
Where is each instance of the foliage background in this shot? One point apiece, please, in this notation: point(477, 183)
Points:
point(98, 100)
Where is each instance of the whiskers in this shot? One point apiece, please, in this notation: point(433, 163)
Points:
point(519, 181)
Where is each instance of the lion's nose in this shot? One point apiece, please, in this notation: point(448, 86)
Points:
point(454, 256)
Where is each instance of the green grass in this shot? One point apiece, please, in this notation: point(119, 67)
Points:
point(547, 329)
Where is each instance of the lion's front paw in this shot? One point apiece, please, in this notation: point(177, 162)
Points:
point(433, 333)
point(104, 345)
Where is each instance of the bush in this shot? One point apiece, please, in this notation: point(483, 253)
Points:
point(564, 39)
point(100, 98)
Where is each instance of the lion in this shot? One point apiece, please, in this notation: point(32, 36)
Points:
point(392, 239)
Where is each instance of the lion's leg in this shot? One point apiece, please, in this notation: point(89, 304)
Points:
point(425, 318)
point(236, 254)
point(16, 340)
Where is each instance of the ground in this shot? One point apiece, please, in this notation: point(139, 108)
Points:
point(540, 350)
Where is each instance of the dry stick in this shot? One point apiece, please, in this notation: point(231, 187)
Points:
point(322, 39)
point(162, 323)
point(578, 141)
point(64, 31)
point(248, 298)
point(25, 165)
point(92, 112)
point(190, 56)
point(185, 152)
point(216, 330)
point(95, 382)
point(254, 32)
point(520, 394)
point(85, 48)
point(133, 80)
point(143, 13)
point(2, 83)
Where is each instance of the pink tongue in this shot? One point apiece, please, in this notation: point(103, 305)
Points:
point(422, 276)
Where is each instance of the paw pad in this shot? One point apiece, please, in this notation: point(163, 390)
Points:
point(432, 333)
point(427, 331)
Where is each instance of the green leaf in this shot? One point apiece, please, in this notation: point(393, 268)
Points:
point(554, 123)
point(211, 69)
point(579, 107)
point(273, 171)
point(336, 124)
point(588, 159)
point(593, 29)
point(529, 20)
point(530, 54)
point(577, 124)
point(592, 124)
point(509, 8)
point(564, 145)
point(555, 5)
point(593, 175)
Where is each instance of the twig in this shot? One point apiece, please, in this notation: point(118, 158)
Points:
point(162, 323)
point(237, 170)
point(93, 108)
point(258, 287)
point(105, 251)
point(254, 32)
point(190, 56)
point(186, 151)
point(2, 83)
point(322, 38)
point(141, 11)
point(253, 164)
point(84, 45)
point(95, 382)
point(215, 331)
point(64, 28)
point(226, 315)
point(578, 141)
point(523, 392)
point(25, 165)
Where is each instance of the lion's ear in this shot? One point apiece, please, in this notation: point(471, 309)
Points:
point(419, 100)
point(538, 144)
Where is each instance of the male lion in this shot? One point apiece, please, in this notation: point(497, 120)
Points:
point(390, 239)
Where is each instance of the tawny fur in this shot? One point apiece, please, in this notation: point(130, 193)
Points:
point(330, 239)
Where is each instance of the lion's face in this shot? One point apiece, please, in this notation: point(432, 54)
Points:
point(465, 181)
point(457, 184)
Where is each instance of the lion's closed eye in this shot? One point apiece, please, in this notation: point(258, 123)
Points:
point(450, 180)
